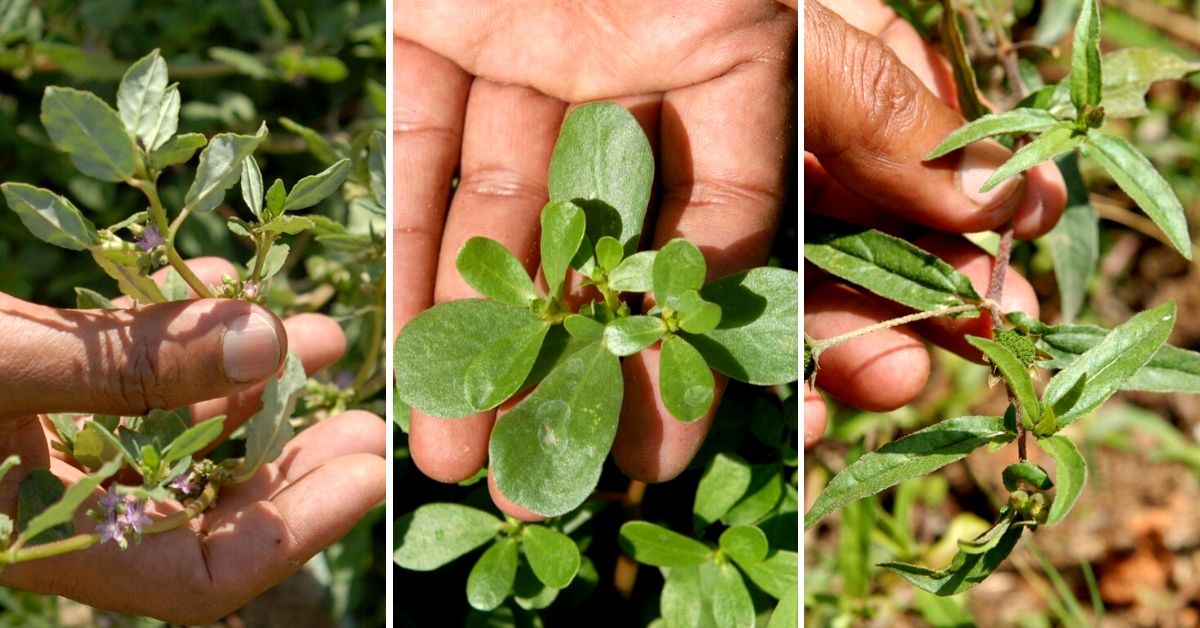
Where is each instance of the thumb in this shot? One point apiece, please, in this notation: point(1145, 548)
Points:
point(130, 361)
point(870, 121)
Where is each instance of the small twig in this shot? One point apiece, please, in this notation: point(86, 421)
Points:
point(818, 346)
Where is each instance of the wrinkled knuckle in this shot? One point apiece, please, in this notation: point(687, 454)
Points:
point(886, 91)
point(144, 377)
point(500, 183)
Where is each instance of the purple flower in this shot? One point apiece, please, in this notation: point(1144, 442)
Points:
point(183, 484)
point(110, 501)
point(134, 516)
point(111, 530)
point(150, 238)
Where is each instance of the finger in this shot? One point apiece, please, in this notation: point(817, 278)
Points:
point(210, 270)
point(507, 507)
point(816, 416)
point(317, 340)
point(509, 134)
point(871, 127)
point(879, 371)
point(127, 362)
point(431, 97)
point(721, 191)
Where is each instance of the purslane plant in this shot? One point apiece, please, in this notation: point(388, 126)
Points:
point(1091, 363)
point(134, 144)
point(468, 356)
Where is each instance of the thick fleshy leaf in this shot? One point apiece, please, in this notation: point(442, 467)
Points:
point(1009, 122)
point(64, 509)
point(776, 574)
point(684, 380)
point(1085, 57)
point(434, 350)
point(494, 272)
point(964, 572)
point(583, 328)
point(562, 230)
point(609, 253)
point(491, 579)
point(683, 602)
point(652, 544)
point(696, 315)
point(678, 268)
point(917, 454)
point(39, 490)
point(552, 555)
point(252, 186)
point(762, 498)
point(140, 96)
point(787, 612)
point(756, 340)
point(220, 167)
point(1141, 181)
point(634, 274)
point(746, 544)
point(499, 370)
point(888, 266)
point(436, 534)
point(1014, 373)
point(548, 451)
point(603, 161)
point(724, 483)
point(89, 132)
point(1052, 144)
point(271, 427)
point(1098, 373)
point(629, 334)
point(317, 187)
point(1070, 474)
point(728, 596)
point(176, 150)
point(50, 217)
point(1074, 241)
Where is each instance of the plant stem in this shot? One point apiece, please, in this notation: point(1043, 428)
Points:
point(261, 256)
point(158, 214)
point(818, 346)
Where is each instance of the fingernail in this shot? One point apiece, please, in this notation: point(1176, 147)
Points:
point(250, 348)
point(978, 163)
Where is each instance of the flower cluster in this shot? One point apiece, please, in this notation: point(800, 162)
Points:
point(119, 516)
point(184, 485)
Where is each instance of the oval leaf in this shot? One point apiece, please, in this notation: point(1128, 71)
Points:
point(317, 187)
point(552, 555)
point(634, 274)
point(220, 167)
point(1009, 122)
point(723, 484)
point(746, 544)
point(629, 334)
point(696, 315)
point(678, 268)
point(140, 96)
point(1014, 373)
point(1070, 471)
point(50, 217)
point(917, 454)
point(500, 369)
point(436, 534)
point(548, 451)
point(271, 427)
point(252, 186)
point(562, 231)
point(1029, 473)
point(684, 380)
point(728, 596)
point(492, 271)
point(491, 579)
point(89, 132)
point(652, 544)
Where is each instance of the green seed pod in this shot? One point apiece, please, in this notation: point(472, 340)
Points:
point(1039, 508)
point(1018, 501)
point(809, 364)
point(1021, 345)
point(1027, 473)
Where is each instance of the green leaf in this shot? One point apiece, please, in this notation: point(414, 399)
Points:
point(583, 328)
point(166, 120)
point(678, 268)
point(276, 195)
point(634, 274)
point(964, 572)
point(629, 334)
point(65, 427)
point(1054, 22)
point(499, 370)
point(756, 340)
point(1139, 179)
point(1022, 120)
point(89, 132)
point(1070, 471)
point(289, 224)
point(1129, 73)
point(1098, 373)
point(1085, 57)
point(220, 167)
point(548, 451)
point(434, 350)
point(244, 62)
point(696, 315)
point(762, 498)
point(1014, 373)
point(274, 260)
point(609, 253)
point(50, 217)
point(683, 602)
point(271, 428)
point(130, 281)
point(684, 380)
point(1170, 370)
point(252, 186)
point(317, 187)
point(603, 161)
point(1052, 144)
point(176, 150)
point(63, 510)
point(376, 157)
point(530, 593)
point(989, 539)
point(1028, 472)
point(552, 555)
point(491, 270)
point(193, 439)
point(745, 544)
point(491, 579)
point(13, 460)
point(562, 231)
point(86, 299)
point(1074, 241)
point(140, 98)
point(887, 266)
point(724, 482)
point(919, 453)
point(39, 490)
point(776, 574)
point(730, 600)
point(436, 534)
point(320, 147)
point(787, 612)
point(653, 544)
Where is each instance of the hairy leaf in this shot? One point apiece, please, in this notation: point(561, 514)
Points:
point(317, 187)
point(50, 217)
point(964, 572)
point(89, 132)
point(1014, 372)
point(1070, 471)
point(271, 427)
point(1074, 241)
point(1022, 120)
point(1055, 142)
point(1085, 57)
point(220, 167)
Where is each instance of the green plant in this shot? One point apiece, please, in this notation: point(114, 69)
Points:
point(1091, 363)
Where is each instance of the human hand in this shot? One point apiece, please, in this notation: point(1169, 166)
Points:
point(689, 73)
point(877, 100)
point(165, 356)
